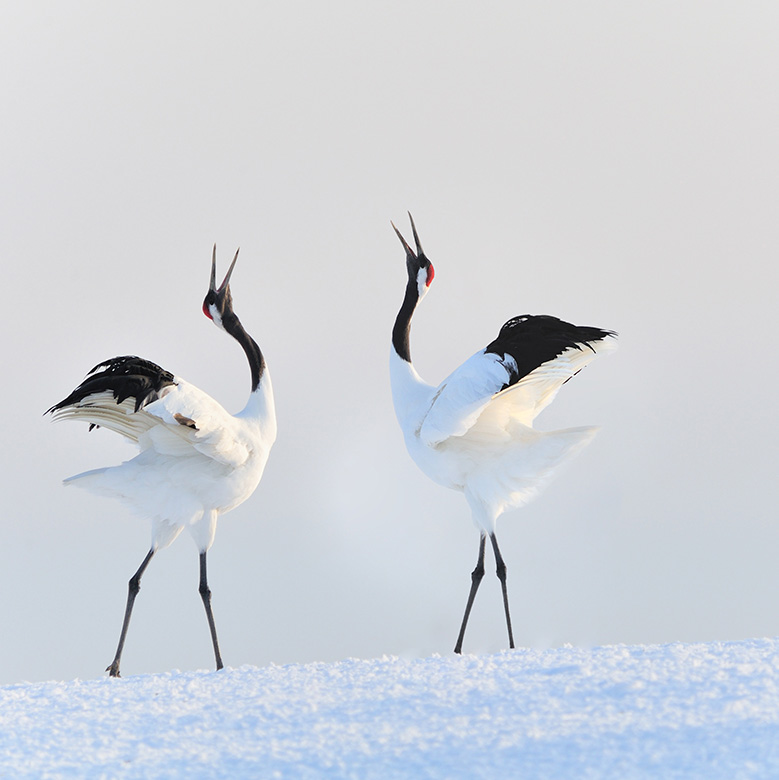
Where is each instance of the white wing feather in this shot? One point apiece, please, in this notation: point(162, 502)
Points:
point(462, 396)
point(216, 435)
point(476, 386)
point(526, 399)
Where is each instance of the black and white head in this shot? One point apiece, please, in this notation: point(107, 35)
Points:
point(218, 303)
point(420, 269)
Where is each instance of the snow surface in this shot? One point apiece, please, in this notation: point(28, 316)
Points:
point(677, 710)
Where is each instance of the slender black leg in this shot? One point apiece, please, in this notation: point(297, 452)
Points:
point(476, 577)
point(132, 591)
point(501, 572)
point(205, 594)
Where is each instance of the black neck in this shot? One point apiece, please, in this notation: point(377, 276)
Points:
point(402, 329)
point(233, 326)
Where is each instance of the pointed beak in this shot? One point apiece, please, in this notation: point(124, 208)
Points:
point(212, 286)
point(420, 251)
point(226, 281)
point(409, 250)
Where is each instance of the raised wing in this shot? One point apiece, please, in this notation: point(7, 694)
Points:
point(114, 393)
point(462, 396)
point(514, 377)
point(149, 406)
point(529, 396)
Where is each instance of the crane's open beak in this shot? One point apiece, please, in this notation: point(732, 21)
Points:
point(409, 250)
point(226, 281)
point(419, 257)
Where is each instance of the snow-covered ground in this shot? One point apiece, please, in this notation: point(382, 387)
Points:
point(678, 710)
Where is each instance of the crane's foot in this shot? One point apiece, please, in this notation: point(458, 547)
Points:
point(113, 670)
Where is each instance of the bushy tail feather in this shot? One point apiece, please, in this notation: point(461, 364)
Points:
point(93, 480)
point(554, 449)
point(560, 446)
point(521, 478)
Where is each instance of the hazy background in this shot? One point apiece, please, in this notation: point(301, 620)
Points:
point(611, 163)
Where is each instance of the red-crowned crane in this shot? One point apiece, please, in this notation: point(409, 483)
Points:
point(474, 432)
point(196, 460)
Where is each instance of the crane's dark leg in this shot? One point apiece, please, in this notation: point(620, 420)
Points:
point(476, 577)
point(132, 591)
point(205, 594)
point(501, 572)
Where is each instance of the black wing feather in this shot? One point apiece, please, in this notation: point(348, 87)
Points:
point(127, 376)
point(533, 340)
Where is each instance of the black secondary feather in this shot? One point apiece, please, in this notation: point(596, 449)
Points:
point(532, 340)
point(127, 376)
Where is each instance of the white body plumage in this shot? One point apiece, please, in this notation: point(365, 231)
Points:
point(474, 432)
point(468, 435)
point(184, 476)
point(196, 460)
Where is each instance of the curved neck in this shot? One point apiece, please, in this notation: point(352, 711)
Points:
point(402, 329)
point(232, 325)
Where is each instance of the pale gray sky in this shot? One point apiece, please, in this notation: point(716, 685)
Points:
point(613, 164)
